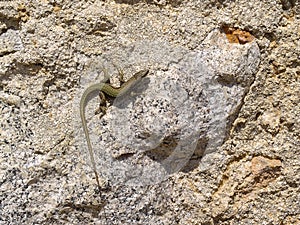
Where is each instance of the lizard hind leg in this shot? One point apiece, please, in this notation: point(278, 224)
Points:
point(106, 75)
point(121, 75)
point(103, 101)
point(103, 104)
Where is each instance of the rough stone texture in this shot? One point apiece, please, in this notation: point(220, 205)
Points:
point(45, 50)
point(173, 114)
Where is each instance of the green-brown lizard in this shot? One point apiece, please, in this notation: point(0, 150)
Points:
point(112, 92)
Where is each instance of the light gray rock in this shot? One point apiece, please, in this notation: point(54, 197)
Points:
point(251, 178)
point(191, 104)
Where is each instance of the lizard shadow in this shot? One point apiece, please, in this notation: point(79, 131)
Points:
point(136, 90)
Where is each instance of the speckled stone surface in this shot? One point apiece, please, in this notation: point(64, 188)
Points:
point(46, 178)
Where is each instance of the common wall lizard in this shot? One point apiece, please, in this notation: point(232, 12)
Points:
point(112, 92)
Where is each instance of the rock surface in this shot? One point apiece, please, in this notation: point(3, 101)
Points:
point(245, 163)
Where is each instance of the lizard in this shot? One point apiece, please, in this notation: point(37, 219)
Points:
point(111, 91)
